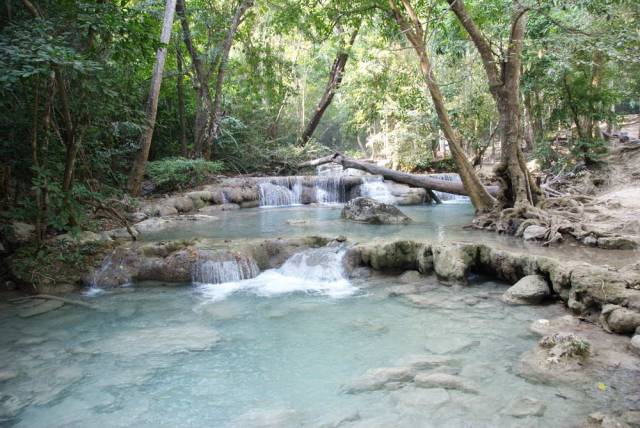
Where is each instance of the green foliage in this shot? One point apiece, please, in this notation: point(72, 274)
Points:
point(179, 173)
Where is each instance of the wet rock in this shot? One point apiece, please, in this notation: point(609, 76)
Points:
point(421, 399)
point(452, 262)
point(269, 418)
point(534, 232)
point(620, 320)
point(167, 210)
point(83, 237)
point(402, 290)
point(602, 420)
point(395, 256)
point(250, 204)
point(426, 361)
point(424, 259)
point(410, 277)
point(7, 374)
point(158, 224)
point(523, 407)
point(157, 340)
point(366, 210)
point(375, 379)
point(634, 345)
point(617, 243)
point(212, 209)
point(445, 381)
point(530, 290)
point(40, 308)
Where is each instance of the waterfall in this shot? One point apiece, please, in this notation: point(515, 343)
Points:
point(111, 273)
point(330, 190)
point(312, 271)
point(280, 191)
point(375, 188)
point(221, 271)
point(449, 197)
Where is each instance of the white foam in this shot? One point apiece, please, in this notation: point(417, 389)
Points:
point(316, 271)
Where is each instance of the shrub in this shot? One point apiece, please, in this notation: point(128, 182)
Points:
point(180, 173)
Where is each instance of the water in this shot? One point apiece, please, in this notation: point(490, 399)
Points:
point(330, 190)
point(177, 356)
point(375, 188)
point(280, 191)
point(217, 272)
point(450, 197)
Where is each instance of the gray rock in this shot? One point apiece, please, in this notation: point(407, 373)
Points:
point(6, 375)
point(534, 232)
point(531, 289)
point(165, 210)
point(83, 237)
point(138, 216)
point(623, 320)
point(376, 379)
point(20, 233)
point(366, 210)
point(634, 345)
point(617, 243)
point(425, 361)
point(420, 398)
point(410, 277)
point(41, 308)
point(446, 381)
point(452, 262)
point(523, 407)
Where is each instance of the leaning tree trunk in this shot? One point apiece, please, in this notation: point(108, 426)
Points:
point(415, 180)
point(137, 171)
point(335, 79)
point(180, 90)
point(480, 198)
point(519, 189)
point(222, 70)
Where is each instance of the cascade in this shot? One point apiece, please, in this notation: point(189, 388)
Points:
point(280, 191)
point(330, 189)
point(449, 197)
point(375, 188)
point(221, 271)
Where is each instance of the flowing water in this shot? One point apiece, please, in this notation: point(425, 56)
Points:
point(284, 347)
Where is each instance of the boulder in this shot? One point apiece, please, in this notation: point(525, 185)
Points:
point(617, 243)
point(634, 345)
point(533, 233)
point(620, 320)
point(410, 277)
point(452, 262)
point(20, 233)
point(530, 290)
point(445, 381)
point(395, 256)
point(366, 210)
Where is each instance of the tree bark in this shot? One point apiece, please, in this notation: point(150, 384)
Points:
point(180, 90)
point(204, 103)
point(518, 187)
point(415, 180)
point(480, 198)
point(222, 69)
point(137, 171)
point(335, 79)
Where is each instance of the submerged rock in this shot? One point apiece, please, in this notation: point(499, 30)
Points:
point(523, 407)
point(375, 379)
point(446, 381)
point(366, 210)
point(424, 400)
point(410, 277)
point(530, 290)
point(41, 307)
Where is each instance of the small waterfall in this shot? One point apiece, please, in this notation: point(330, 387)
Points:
point(330, 189)
point(221, 271)
point(449, 197)
point(316, 271)
point(316, 264)
point(110, 274)
point(375, 188)
point(280, 191)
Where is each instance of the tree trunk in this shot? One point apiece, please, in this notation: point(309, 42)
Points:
point(204, 103)
point(518, 187)
point(222, 69)
point(137, 171)
point(480, 198)
point(180, 90)
point(415, 180)
point(335, 79)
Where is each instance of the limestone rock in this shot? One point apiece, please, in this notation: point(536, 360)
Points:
point(530, 290)
point(617, 243)
point(534, 232)
point(410, 277)
point(41, 308)
point(366, 210)
point(376, 379)
point(634, 345)
point(622, 320)
point(452, 262)
point(446, 381)
point(524, 407)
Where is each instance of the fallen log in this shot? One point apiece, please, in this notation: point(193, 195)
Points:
point(414, 180)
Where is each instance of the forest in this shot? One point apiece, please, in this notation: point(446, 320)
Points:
point(320, 213)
